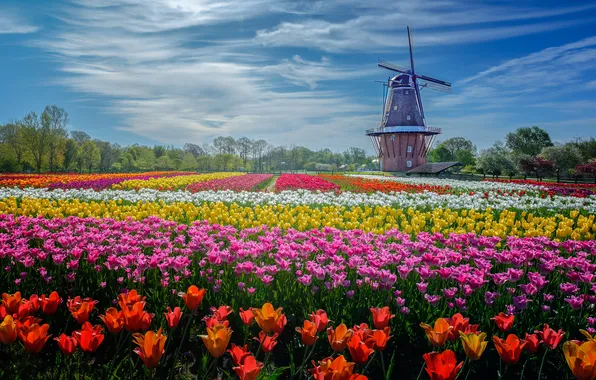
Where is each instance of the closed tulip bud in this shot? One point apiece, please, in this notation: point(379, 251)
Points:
point(247, 316)
point(193, 297)
point(308, 333)
point(173, 317)
point(11, 302)
point(50, 304)
point(8, 330)
point(381, 316)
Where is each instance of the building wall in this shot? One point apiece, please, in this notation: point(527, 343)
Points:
point(401, 152)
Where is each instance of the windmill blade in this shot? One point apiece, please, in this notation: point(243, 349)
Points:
point(435, 86)
point(393, 67)
point(433, 80)
point(417, 90)
point(411, 43)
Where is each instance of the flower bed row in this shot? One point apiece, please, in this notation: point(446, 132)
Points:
point(378, 219)
point(550, 188)
point(171, 183)
point(374, 184)
point(240, 183)
point(303, 181)
point(107, 183)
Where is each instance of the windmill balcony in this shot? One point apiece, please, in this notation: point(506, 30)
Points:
point(403, 129)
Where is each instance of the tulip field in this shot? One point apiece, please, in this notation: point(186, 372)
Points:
point(228, 275)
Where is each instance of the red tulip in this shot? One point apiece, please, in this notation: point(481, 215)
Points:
point(249, 369)
point(320, 319)
point(222, 312)
point(129, 299)
point(308, 332)
point(247, 316)
point(532, 343)
point(113, 319)
point(381, 316)
point(509, 349)
point(12, 302)
point(442, 366)
point(504, 321)
point(173, 317)
point(34, 337)
point(267, 342)
point(359, 351)
point(380, 338)
point(50, 304)
point(89, 337)
point(67, 344)
point(550, 337)
point(193, 297)
point(34, 301)
point(81, 308)
point(239, 353)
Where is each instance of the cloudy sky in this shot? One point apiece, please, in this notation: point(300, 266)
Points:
point(296, 72)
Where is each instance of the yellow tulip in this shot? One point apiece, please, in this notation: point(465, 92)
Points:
point(474, 344)
point(217, 340)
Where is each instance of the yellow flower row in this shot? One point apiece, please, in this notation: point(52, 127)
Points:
point(171, 183)
point(376, 219)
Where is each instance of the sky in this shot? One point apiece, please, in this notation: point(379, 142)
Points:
point(296, 72)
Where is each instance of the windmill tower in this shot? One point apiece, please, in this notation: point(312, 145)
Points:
point(403, 139)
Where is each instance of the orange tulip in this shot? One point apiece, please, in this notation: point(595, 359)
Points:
point(8, 330)
point(504, 321)
point(380, 338)
point(267, 342)
point(173, 317)
point(151, 347)
point(509, 349)
point(113, 319)
point(193, 297)
point(81, 308)
point(50, 304)
point(581, 359)
point(249, 369)
point(381, 316)
point(338, 338)
point(550, 337)
point(89, 337)
point(308, 332)
point(217, 340)
point(34, 337)
point(268, 317)
point(359, 350)
point(239, 353)
point(442, 366)
point(338, 368)
point(136, 318)
point(320, 319)
point(11, 302)
point(247, 316)
point(67, 344)
point(437, 335)
point(129, 299)
point(27, 322)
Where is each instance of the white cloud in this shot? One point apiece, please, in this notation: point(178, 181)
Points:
point(12, 23)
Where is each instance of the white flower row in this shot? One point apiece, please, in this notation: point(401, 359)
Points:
point(457, 184)
point(304, 197)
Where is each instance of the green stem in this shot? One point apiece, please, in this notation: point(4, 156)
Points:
point(523, 369)
point(180, 346)
point(421, 369)
point(542, 364)
point(469, 371)
point(383, 365)
point(368, 364)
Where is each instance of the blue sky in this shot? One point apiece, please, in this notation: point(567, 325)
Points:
point(296, 72)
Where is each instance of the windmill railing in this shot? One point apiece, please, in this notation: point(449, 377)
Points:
point(404, 129)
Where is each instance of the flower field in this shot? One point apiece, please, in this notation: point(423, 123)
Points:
point(176, 275)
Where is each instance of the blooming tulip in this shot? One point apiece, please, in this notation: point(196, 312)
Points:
point(442, 366)
point(249, 369)
point(11, 302)
point(339, 337)
point(268, 317)
point(308, 332)
point(532, 343)
point(438, 334)
point(381, 316)
point(150, 347)
point(8, 330)
point(320, 319)
point(173, 317)
point(380, 338)
point(329, 368)
point(359, 351)
point(504, 321)
point(239, 353)
point(460, 323)
point(222, 312)
point(89, 337)
point(581, 359)
point(509, 349)
point(34, 337)
point(474, 344)
point(217, 340)
point(129, 299)
point(113, 319)
point(193, 297)
point(81, 308)
point(267, 342)
point(50, 304)
point(247, 316)
point(136, 318)
point(550, 337)
point(34, 302)
point(67, 344)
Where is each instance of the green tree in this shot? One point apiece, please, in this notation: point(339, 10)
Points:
point(563, 157)
point(90, 155)
point(55, 120)
point(164, 163)
point(189, 162)
point(70, 153)
point(12, 135)
point(36, 137)
point(528, 141)
point(496, 160)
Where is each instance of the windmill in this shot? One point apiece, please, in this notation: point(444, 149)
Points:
point(402, 140)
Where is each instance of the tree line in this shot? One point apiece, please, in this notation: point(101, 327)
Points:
point(43, 143)
point(528, 152)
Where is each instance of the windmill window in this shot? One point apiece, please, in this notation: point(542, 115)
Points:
point(409, 164)
point(392, 137)
point(407, 92)
point(408, 117)
point(409, 149)
point(395, 108)
point(420, 137)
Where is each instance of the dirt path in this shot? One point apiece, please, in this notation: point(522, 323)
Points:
point(271, 187)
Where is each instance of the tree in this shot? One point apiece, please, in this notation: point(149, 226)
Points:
point(109, 154)
point(244, 147)
point(55, 119)
point(194, 149)
point(563, 157)
point(454, 149)
point(588, 169)
point(159, 151)
point(80, 136)
point(189, 162)
point(528, 141)
point(537, 165)
point(70, 153)
point(90, 155)
point(164, 163)
point(36, 137)
point(12, 135)
point(224, 145)
point(496, 160)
